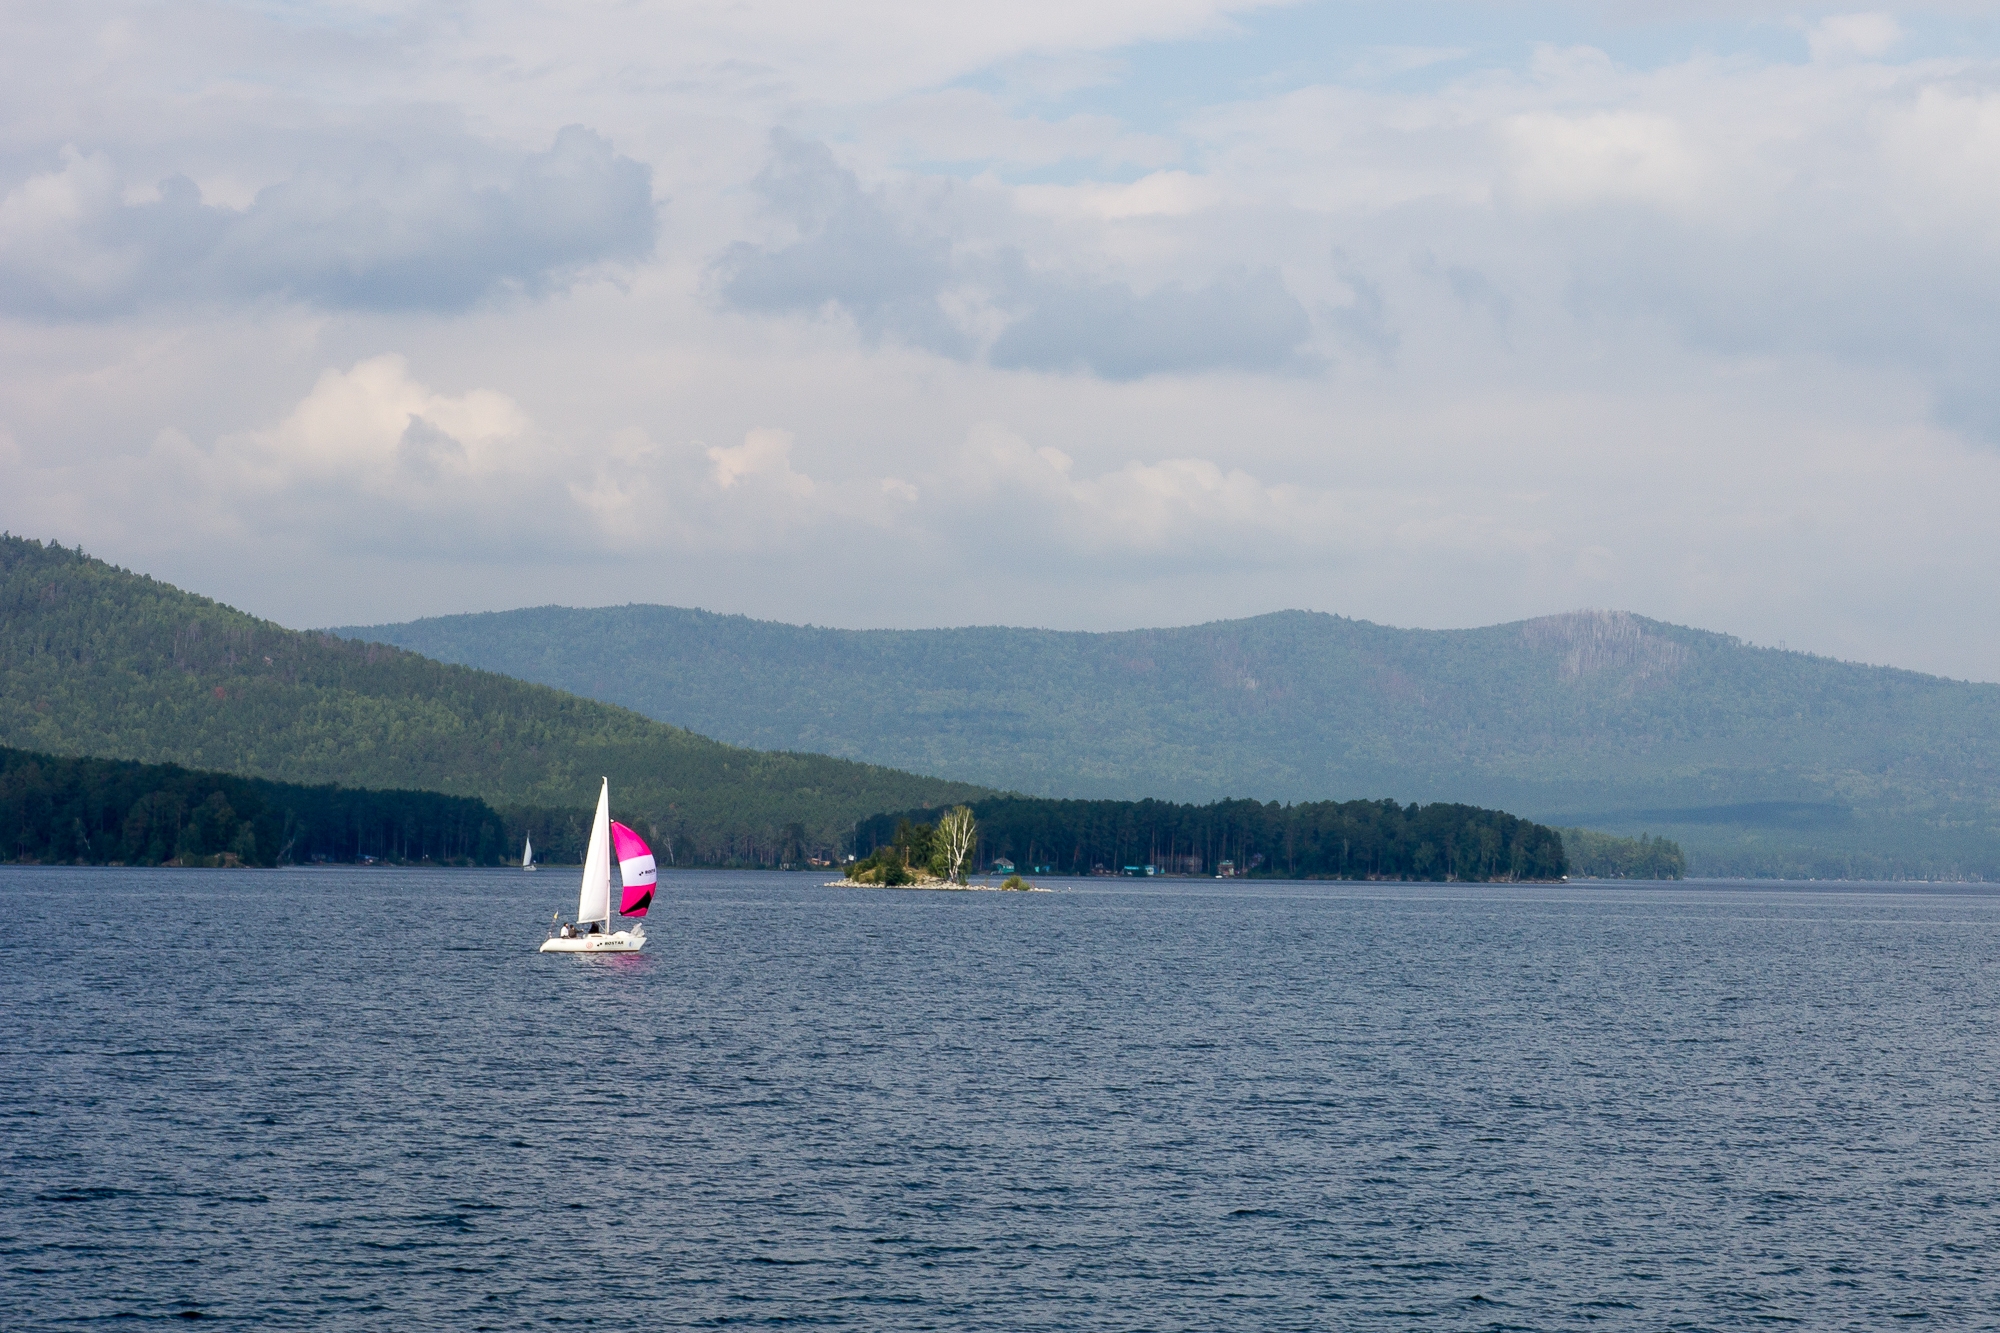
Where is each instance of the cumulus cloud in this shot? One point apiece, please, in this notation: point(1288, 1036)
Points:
point(849, 252)
point(384, 230)
point(1843, 36)
point(375, 439)
point(1157, 508)
point(904, 278)
point(765, 457)
point(371, 454)
point(374, 460)
point(1505, 329)
point(379, 430)
point(1790, 213)
point(1239, 321)
point(1568, 160)
point(1581, 211)
point(964, 125)
point(1157, 194)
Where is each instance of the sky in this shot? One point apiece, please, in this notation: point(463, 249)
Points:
point(1080, 315)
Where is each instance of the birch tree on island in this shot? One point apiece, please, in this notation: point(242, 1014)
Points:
point(955, 834)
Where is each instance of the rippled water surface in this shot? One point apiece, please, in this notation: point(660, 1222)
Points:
point(359, 1099)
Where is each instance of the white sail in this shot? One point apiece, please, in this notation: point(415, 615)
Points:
point(594, 902)
point(528, 853)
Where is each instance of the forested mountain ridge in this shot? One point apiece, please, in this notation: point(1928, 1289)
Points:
point(1756, 760)
point(96, 660)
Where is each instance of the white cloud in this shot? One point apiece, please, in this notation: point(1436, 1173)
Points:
point(1156, 194)
point(387, 229)
point(1940, 152)
point(852, 253)
point(1430, 335)
point(1569, 160)
point(858, 52)
point(1384, 61)
point(370, 455)
point(382, 431)
point(965, 125)
point(1843, 36)
point(1140, 506)
point(41, 225)
point(1169, 513)
point(765, 457)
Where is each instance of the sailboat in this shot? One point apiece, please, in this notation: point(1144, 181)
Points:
point(591, 932)
point(528, 854)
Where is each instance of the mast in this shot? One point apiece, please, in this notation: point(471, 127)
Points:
point(593, 901)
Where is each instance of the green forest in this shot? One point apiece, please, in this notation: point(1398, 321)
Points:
point(1310, 840)
point(98, 661)
point(1594, 855)
point(1754, 760)
point(66, 810)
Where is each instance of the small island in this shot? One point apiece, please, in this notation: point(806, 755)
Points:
point(928, 856)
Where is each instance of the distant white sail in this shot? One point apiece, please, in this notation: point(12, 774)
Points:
point(528, 853)
point(593, 902)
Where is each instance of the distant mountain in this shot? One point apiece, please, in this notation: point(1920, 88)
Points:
point(1755, 760)
point(96, 660)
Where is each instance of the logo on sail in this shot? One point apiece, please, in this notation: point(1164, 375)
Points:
point(636, 867)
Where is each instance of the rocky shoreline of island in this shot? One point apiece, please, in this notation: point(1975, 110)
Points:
point(1013, 885)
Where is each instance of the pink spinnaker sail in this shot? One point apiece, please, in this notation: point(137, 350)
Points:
point(636, 867)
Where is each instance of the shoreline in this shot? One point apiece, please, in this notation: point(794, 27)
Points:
point(940, 886)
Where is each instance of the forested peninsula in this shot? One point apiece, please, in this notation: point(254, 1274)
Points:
point(1606, 856)
point(1309, 840)
point(67, 810)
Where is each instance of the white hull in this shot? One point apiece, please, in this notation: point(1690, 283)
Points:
point(625, 941)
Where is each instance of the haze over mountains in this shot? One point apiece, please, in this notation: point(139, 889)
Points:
point(1757, 760)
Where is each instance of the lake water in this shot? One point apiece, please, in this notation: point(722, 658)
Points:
point(359, 1099)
